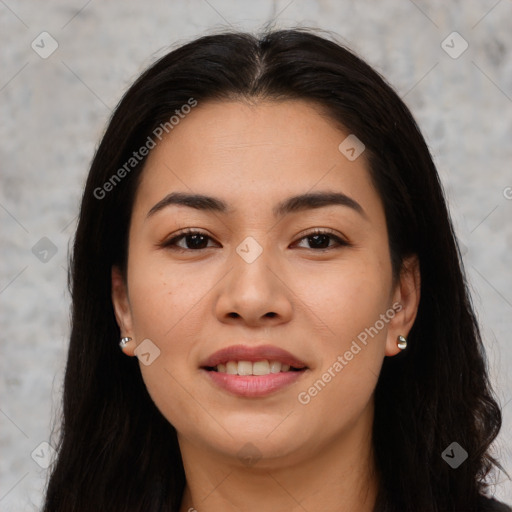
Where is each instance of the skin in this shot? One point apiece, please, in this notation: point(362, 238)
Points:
point(316, 456)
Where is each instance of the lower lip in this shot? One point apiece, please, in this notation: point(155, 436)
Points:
point(253, 385)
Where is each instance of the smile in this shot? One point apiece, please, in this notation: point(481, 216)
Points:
point(252, 370)
point(263, 367)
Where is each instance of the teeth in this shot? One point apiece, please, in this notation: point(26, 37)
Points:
point(260, 368)
point(231, 368)
point(244, 368)
point(275, 366)
point(263, 367)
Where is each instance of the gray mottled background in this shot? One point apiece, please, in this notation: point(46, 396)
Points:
point(54, 110)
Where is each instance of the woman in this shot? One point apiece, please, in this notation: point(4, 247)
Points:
point(264, 229)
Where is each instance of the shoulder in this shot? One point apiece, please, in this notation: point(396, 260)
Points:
point(491, 505)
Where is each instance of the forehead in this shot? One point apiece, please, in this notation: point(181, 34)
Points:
point(263, 147)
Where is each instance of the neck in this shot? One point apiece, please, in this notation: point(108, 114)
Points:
point(339, 477)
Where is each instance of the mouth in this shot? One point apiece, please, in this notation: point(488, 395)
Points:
point(257, 368)
point(249, 371)
point(252, 360)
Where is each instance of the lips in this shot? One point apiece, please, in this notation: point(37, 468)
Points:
point(252, 354)
point(253, 372)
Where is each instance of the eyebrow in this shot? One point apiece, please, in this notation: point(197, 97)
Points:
point(292, 204)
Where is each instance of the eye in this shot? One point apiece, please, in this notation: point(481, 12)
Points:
point(320, 238)
point(193, 240)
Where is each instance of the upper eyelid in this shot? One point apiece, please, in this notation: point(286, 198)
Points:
point(181, 234)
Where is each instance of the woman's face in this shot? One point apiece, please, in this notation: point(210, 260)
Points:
point(257, 284)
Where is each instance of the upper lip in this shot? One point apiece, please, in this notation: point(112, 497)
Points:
point(252, 353)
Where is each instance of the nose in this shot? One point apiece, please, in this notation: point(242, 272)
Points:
point(255, 293)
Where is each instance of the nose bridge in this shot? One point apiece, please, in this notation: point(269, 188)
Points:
point(250, 250)
point(252, 263)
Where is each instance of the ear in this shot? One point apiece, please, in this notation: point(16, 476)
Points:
point(122, 308)
point(406, 298)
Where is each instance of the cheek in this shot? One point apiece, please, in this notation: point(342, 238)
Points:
point(165, 310)
point(160, 298)
point(349, 298)
point(353, 301)
point(341, 388)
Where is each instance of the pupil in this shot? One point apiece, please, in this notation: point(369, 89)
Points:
point(197, 238)
point(318, 245)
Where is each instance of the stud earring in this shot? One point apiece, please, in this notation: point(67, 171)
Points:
point(402, 342)
point(124, 342)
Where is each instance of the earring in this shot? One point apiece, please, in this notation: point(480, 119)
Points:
point(402, 342)
point(124, 342)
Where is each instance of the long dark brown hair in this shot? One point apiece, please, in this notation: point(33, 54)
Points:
point(116, 451)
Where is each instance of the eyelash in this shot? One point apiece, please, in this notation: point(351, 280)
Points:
point(171, 243)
